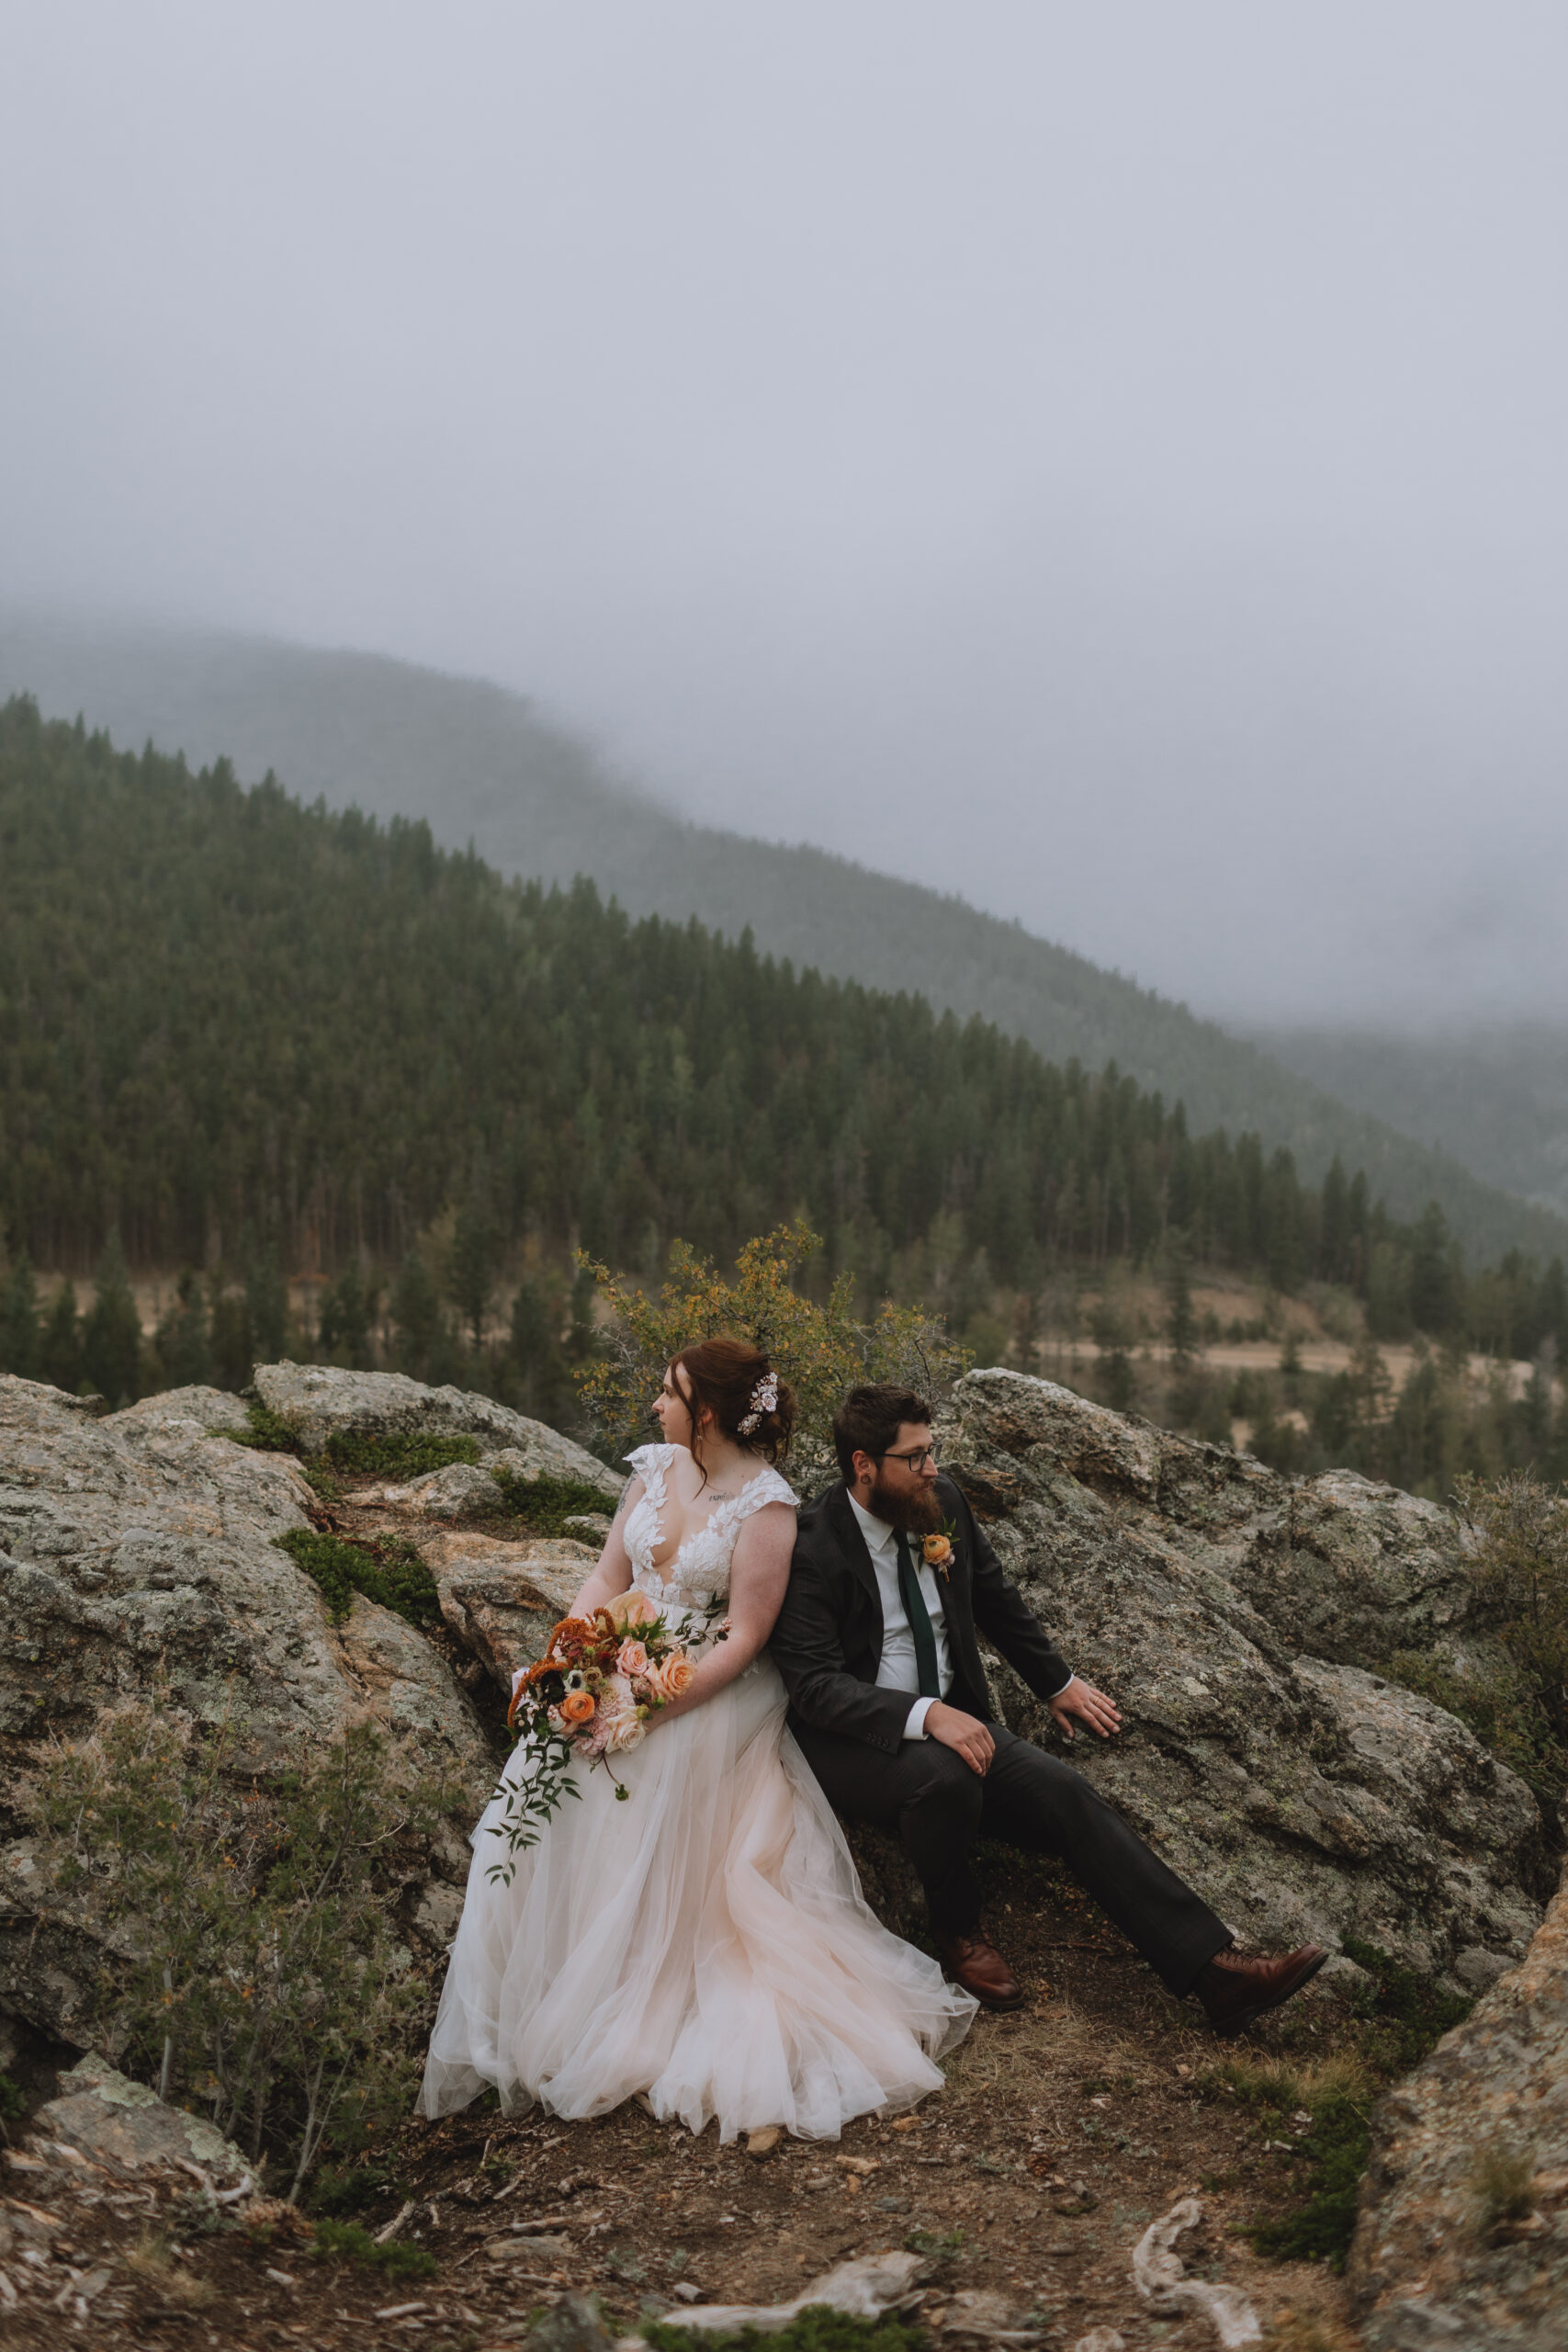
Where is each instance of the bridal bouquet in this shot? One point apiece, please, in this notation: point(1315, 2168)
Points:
point(589, 1696)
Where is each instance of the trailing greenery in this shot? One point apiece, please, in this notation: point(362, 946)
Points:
point(251, 1963)
point(384, 1568)
point(232, 1025)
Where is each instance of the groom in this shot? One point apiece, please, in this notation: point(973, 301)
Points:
point(877, 1645)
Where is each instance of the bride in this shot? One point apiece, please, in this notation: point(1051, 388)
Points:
point(705, 1943)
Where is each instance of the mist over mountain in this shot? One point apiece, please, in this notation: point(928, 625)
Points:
point(1496, 1097)
point(483, 764)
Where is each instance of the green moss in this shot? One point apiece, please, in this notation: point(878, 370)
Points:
point(267, 1432)
point(545, 1504)
point(1407, 2014)
point(397, 2258)
point(13, 2102)
point(819, 2328)
point(1321, 2227)
point(398, 1453)
point(384, 1568)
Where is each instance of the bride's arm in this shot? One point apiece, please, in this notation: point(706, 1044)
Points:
point(758, 1572)
point(612, 1570)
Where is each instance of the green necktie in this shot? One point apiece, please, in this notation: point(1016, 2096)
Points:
point(915, 1609)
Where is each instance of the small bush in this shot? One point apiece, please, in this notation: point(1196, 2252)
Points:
point(397, 2258)
point(253, 1961)
point(398, 1453)
point(339, 2189)
point(384, 1568)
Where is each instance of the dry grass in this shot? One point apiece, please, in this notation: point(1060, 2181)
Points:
point(1500, 2181)
point(1286, 2083)
point(153, 2262)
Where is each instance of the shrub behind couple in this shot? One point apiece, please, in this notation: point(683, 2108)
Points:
point(706, 1943)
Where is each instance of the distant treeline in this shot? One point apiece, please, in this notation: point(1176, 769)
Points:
point(244, 1034)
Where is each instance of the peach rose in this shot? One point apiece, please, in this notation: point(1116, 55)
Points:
point(632, 1608)
point(576, 1707)
point(632, 1658)
point(674, 1676)
point(938, 1551)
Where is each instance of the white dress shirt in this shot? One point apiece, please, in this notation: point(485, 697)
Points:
point(898, 1670)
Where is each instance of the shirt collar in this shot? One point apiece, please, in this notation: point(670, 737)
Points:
point(878, 1535)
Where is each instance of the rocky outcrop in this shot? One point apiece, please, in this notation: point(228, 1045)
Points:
point(1462, 2240)
point(1222, 1605)
point(139, 1554)
point(317, 1401)
point(1240, 1617)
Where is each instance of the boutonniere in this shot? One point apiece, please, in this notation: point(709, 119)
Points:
point(939, 1550)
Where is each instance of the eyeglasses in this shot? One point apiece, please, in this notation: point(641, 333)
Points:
point(916, 1460)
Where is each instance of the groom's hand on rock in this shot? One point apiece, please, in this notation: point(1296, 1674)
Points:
point(966, 1734)
point(1089, 1705)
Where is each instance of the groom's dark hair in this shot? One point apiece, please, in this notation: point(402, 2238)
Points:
point(868, 1423)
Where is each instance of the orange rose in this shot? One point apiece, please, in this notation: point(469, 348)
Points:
point(938, 1550)
point(576, 1707)
point(674, 1676)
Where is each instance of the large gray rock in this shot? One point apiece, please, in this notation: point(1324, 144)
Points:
point(126, 2126)
point(1221, 1604)
point(501, 1600)
point(1435, 2263)
point(139, 1554)
point(316, 1400)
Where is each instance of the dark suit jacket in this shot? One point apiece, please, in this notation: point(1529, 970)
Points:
point(828, 1642)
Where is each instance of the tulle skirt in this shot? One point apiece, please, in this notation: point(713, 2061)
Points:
point(705, 1942)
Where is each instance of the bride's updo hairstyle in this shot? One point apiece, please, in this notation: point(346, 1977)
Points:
point(748, 1400)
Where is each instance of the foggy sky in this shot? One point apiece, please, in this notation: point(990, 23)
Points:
point(1107, 460)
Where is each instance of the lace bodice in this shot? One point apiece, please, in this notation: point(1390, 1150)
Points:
point(698, 1576)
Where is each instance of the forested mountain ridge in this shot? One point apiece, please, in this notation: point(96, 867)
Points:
point(231, 1027)
point(480, 764)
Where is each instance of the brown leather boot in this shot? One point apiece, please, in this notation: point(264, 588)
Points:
point(981, 1970)
point(1233, 1989)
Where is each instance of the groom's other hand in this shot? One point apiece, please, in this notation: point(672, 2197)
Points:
point(966, 1734)
point(1089, 1705)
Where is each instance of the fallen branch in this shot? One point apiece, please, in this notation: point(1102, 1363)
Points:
point(1162, 2282)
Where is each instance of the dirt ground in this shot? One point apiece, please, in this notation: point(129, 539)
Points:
point(1062, 2132)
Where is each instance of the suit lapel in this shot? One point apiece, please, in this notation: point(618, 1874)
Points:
point(852, 1542)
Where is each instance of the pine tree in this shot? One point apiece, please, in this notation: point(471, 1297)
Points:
point(1181, 1321)
point(59, 1351)
point(19, 1345)
point(112, 1334)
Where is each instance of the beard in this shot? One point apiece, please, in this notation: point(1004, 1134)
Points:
point(913, 1510)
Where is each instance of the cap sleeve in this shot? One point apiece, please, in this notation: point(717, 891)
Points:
point(768, 1487)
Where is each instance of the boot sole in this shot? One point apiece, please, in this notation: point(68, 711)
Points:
point(998, 2001)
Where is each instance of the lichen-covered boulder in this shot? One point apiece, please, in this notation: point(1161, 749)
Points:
point(1222, 1605)
point(501, 1600)
point(139, 1556)
point(1463, 2239)
point(319, 1400)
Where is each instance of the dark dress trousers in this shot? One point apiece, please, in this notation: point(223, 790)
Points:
point(827, 1646)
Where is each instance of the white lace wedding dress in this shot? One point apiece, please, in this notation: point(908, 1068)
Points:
point(706, 1942)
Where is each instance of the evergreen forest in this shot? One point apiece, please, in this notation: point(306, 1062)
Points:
point(272, 1044)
